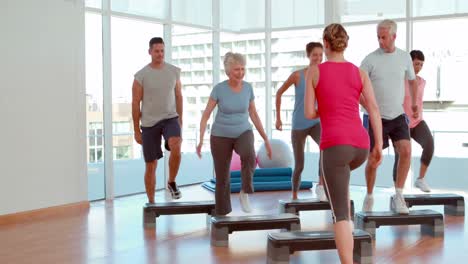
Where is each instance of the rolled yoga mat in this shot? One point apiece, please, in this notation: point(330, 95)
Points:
point(278, 178)
point(266, 172)
point(261, 186)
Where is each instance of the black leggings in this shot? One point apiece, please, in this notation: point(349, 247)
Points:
point(337, 164)
point(298, 139)
point(423, 136)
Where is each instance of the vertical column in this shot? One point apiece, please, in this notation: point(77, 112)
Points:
point(268, 88)
point(409, 25)
point(107, 104)
point(332, 9)
point(216, 50)
point(216, 41)
point(168, 58)
point(167, 31)
point(409, 47)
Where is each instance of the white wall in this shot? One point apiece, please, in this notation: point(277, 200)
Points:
point(42, 104)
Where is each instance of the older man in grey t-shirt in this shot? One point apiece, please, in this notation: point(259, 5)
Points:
point(388, 67)
point(157, 88)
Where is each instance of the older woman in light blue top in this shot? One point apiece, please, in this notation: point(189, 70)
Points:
point(232, 131)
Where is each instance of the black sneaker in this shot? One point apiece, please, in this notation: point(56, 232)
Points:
point(175, 192)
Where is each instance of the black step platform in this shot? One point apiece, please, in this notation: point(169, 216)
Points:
point(222, 226)
point(432, 222)
point(295, 206)
point(152, 211)
point(281, 245)
point(453, 204)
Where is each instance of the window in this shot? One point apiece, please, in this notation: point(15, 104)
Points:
point(92, 156)
point(129, 54)
point(199, 77)
point(122, 152)
point(256, 45)
point(242, 14)
point(195, 44)
point(175, 54)
point(446, 58)
point(256, 74)
point(94, 104)
point(295, 13)
point(185, 64)
point(226, 47)
point(198, 63)
point(197, 59)
point(362, 10)
point(288, 55)
point(133, 23)
point(93, 3)
point(150, 8)
point(95, 140)
point(446, 61)
point(95, 136)
point(191, 100)
point(204, 99)
point(240, 46)
point(435, 7)
point(185, 51)
point(358, 49)
point(192, 12)
point(192, 114)
point(186, 77)
point(255, 60)
point(198, 50)
point(122, 127)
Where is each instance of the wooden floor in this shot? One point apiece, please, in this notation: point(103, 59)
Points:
point(112, 232)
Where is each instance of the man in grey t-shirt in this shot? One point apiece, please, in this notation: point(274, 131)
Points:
point(158, 89)
point(388, 67)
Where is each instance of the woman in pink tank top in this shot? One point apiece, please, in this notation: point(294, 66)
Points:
point(338, 86)
point(419, 130)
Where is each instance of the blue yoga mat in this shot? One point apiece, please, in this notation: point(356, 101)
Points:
point(261, 179)
point(266, 172)
point(261, 186)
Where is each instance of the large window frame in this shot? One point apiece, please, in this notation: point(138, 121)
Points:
point(330, 15)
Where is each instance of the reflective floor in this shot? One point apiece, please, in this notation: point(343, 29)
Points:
point(112, 232)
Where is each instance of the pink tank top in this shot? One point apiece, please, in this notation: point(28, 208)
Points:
point(419, 102)
point(338, 91)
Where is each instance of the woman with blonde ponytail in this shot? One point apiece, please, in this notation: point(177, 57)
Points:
point(337, 85)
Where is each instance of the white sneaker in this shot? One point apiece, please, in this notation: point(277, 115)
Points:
point(368, 203)
point(398, 204)
point(422, 185)
point(320, 192)
point(245, 202)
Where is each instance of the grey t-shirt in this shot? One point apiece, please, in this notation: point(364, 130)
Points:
point(232, 118)
point(387, 72)
point(158, 93)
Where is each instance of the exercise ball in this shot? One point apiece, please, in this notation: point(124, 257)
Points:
point(281, 155)
point(235, 162)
